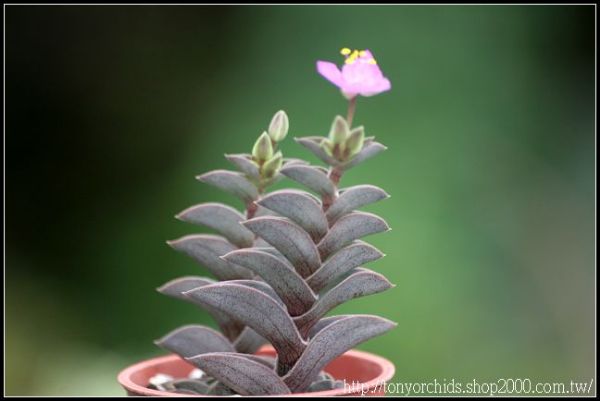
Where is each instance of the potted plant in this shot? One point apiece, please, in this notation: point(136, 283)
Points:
point(281, 267)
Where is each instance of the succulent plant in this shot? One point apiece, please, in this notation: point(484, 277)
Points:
point(284, 265)
point(256, 172)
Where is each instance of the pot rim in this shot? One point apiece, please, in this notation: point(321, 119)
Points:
point(387, 372)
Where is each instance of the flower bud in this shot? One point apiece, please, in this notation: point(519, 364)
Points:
point(263, 149)
point(355, 141)
point(339, 131)
point(279, 126)
point(272, 166)
point(327, 146)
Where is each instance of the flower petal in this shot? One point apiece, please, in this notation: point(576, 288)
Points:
point(381, 86)
point(330, 71)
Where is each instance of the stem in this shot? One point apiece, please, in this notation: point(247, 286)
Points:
point(334, 176)
point(251, 209)
point(351, 110)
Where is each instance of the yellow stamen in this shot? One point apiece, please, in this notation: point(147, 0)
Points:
point(362, 53)
point(345, 51)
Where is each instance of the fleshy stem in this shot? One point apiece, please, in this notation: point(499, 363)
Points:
point(335, 174)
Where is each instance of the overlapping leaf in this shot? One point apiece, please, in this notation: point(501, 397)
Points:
point(193, 340)
point(222, 218)
point(352, 226)
point(232, 182)
point(358, 284)
point(289, 239)
point(207, 250)
point(259, 311)
point(354, 198)
point(245, 376)
point(291, 288)
point(312, 177)
point(300, 207)
point(342, 262)
point(331, 342)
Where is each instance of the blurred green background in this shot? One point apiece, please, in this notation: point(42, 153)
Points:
point(111, 112)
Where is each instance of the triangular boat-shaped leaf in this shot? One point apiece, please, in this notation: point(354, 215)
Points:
point(313, 143)
point(175, 288)
point(193, 340)
point(245, 164)
point(259, 311)
point(311, 177)
point(245, 376)
point(206, 249)
point(301, 208)
point(289, 239)
point(369, 150)
point(262, 287)
point(321, 324)
point(249, 341)
point(222, 218)
point(352, 226)
point(268, 361)
point(354, 198)
point(342, 262)
point(291, 288)
point(232, 182)
point(362, 283)
point(331, 342)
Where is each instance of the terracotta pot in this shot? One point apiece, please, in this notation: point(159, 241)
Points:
point(370, 371)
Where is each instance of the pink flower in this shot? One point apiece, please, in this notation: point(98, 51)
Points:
point(360, 74)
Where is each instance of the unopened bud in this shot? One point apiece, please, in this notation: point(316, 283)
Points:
point(355, 141)
point(263, 149)
point(279, 126)
point(272, 166)
point(339, 131)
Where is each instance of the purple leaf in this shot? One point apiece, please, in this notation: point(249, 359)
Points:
point(313, 143)
point(262, 287)
point(352, 226)
point(311, 177)
point(331, 342)
point(321, 324)
point(259, 311)
point(245, 376)
point(245, 164)
point(301, 208)
point(222, 218)
point(175, 288)
point(289, 239)
point(291, 288)
point(354, 198)
point(206, 249)
point(368, 151)
point(358, 284)
point(193, 340)
point(268, 361)
point(249, 341)
point(232, 182)
point(342, 262)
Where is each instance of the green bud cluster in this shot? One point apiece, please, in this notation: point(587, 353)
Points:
point(264, 152)
point(343, 143)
